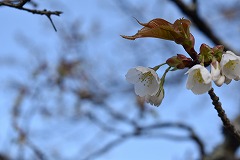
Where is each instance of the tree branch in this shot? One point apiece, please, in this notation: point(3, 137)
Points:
point(21, 4)
point(221, 113)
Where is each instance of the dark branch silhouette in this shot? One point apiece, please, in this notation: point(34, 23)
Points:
point(20, 6)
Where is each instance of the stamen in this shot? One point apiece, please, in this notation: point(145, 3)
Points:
point(147, 78)
point(197, 77)
point(231, 64)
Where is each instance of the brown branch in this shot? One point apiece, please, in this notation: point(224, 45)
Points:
point(33, 11)
point(21, 4)
point(200, 23)
point(221, 113)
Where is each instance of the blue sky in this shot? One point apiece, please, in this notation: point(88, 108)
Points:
point(109, 57)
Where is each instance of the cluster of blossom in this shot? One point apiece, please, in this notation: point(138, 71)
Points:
point(147, 84)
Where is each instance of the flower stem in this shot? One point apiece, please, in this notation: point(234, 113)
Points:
point(164, 75)
point(158, 66)
point(221, 113)
point(192, 53)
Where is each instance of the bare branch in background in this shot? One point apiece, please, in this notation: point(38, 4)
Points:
point(23, 138)
point(147, 132)
point(108, 146)
point(192, 135)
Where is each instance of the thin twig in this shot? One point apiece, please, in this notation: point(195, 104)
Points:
point(21, 4)
point(33, 11)
point(221, 113)
point(39, 154)
point(109, 146)
point(104, 126)
point(50, 19)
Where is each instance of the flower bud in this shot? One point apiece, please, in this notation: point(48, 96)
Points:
point(218, 51)
point(206, 54)
point(180, 61)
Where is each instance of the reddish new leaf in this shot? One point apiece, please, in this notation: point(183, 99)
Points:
point(179, 32)
point(160, 28)
point(182, 26)
point(182, 31)
point(157, 28)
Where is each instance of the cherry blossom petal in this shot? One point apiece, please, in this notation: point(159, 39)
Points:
point(230, 65)
point(145, 80)
point(199, 79)
point(219, 82)
point(155, 100)
point(215, 70)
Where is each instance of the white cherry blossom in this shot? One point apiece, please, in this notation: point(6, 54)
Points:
point(215, 70)
point(155, 100)
point(199, 79)
point(146, 81)
point(216, 74)
point(227, 80)
point(219, 82)
point(230, 65)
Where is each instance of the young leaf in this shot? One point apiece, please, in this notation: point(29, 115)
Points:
point(157, 28)
point(206, 54)
point(179, 32)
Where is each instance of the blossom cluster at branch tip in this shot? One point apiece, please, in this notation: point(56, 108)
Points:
point(227, 70)
point(199, 78)
point(146, 84)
